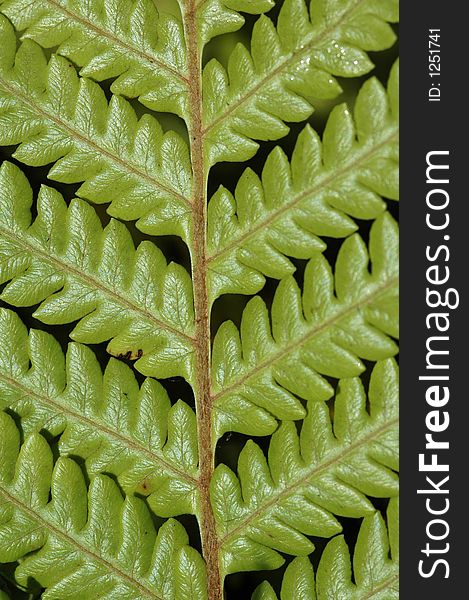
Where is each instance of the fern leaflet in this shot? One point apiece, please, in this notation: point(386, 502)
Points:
point(375, 575)
point(338, 321)
point(310, 477)
point(77, 558)
point(251, 235)
point(142, 304)
point(115, 427)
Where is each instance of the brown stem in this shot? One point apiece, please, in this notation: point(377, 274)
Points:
point(210, 542)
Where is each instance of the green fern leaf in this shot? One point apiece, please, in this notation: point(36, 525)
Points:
point(251, 235)
point(298, 583)
point(143, 51)
point(215, 17)
point(375, 574)
point(79, 271)
point(85, 544)
point(288, 68)
point(98, 460)
point(117, 428)
point(326, 470)
point(59, 118)
point(338, 321)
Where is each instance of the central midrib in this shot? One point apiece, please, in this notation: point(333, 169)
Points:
point(206, 517)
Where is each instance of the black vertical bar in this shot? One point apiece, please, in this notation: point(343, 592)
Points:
point(434, 118)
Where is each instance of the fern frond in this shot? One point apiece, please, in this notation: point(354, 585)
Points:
point(125, 40)
point(78, 271)
point(251, 234)
point(288, 68)
point(95, 457)
point(84, 544)
point(337, 321)
point(376, 576)
point(327, 470)
point(57, 117)
point(134, 434)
